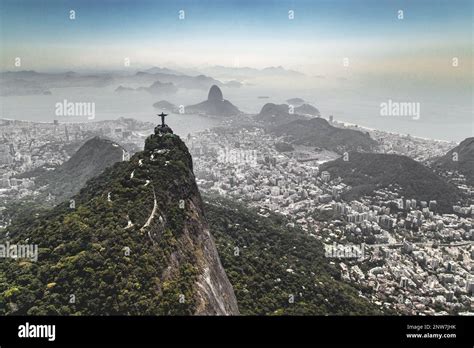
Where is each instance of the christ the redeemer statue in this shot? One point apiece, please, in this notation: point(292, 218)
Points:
point(163, 127)
point(163, 115)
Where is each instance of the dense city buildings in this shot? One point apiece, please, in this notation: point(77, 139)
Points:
point(415, 259)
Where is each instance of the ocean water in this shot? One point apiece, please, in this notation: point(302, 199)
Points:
point(445, 114)
point(108, 106)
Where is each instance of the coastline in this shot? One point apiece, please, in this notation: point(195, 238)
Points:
point(368, 129)
point(338, 123)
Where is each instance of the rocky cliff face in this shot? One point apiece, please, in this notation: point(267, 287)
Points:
point(136, 242)
point(215, 94)
point(214, 293)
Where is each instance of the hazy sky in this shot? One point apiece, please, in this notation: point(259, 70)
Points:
point(409, 59)
point(253, 33)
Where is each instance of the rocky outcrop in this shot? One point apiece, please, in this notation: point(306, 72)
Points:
point(276, 114)
point(136, 242)
point(215, 105)
point(215, 94)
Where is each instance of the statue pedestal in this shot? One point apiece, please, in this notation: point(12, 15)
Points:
point(163, 129)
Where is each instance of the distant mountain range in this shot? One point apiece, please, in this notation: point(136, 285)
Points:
point(31, 82)
point(158, 70)
point(155, 88)
point(34, 83)
point(367, 172)
point(247, 72)
point(461, 159)
point(235, 72)
point(180, 81)
point(215, 105)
